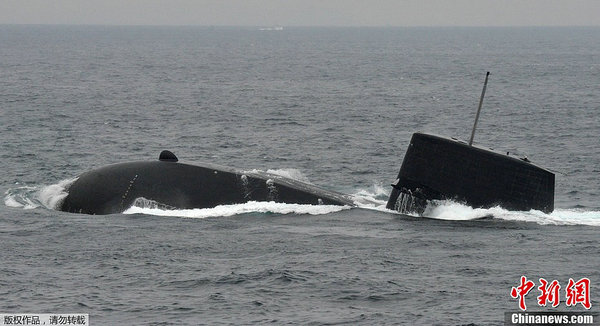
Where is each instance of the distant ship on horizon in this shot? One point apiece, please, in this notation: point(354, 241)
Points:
point(271, 28)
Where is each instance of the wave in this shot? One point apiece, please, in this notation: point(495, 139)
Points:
point(371, 198)
point(450, 210)
point(293, 174)
point(366, 198)
point(30, 197)
point(150, 207)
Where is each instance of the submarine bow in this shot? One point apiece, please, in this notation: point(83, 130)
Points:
point(114, 188)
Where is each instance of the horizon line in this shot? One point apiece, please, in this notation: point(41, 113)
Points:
point(296, 26)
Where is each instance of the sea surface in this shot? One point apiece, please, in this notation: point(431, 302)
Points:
point(335, 107)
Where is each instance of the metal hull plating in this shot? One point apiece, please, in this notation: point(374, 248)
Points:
point(114, 188)
point(437, 168)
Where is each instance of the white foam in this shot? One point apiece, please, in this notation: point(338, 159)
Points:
point(366, 198)
point(449, 210)
point(153, 208)
point(374, 198)
point(294, 174)
point(11, 202)
point(30, 197)
point(51, 196)
point(20, 197)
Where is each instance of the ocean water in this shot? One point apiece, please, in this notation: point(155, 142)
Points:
point(331, 106)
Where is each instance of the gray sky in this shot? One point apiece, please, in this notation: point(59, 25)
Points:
point(304, 12)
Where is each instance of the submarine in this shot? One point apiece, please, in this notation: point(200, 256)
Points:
point(437, 168)
point(434, 168)
point(440, 168)
point(172, 185)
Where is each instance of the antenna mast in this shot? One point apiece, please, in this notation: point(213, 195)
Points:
point(479, 108)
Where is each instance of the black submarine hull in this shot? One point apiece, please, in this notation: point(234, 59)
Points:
point(438, 168)
point(114, 188)
point(434, 168)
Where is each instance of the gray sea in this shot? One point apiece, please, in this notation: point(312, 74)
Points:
point(335, 107)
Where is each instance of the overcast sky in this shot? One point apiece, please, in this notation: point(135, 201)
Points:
point(304, 12)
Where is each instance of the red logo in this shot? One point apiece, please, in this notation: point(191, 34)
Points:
point(549, 293)
point(576, 292)
point(579, 292)
point(521, 291)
